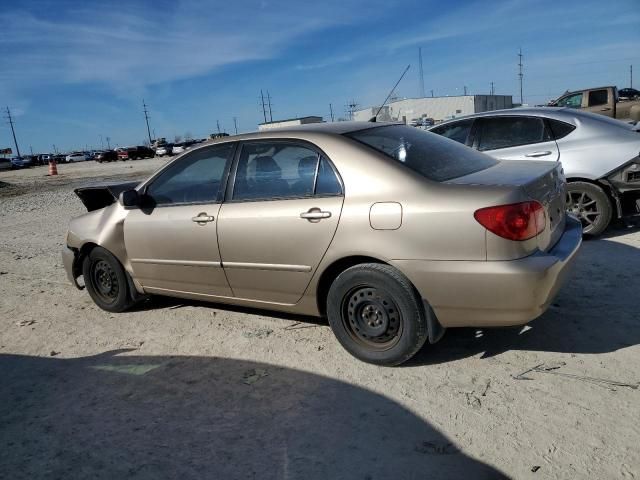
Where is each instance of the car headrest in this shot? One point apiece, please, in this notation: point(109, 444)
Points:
point(307, 166)
point(266, 165)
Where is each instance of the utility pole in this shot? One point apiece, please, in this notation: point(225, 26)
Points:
point(101, 143)
point(55, 150)
point(108, 144)
point(630, 76)
point(264, 111)
point(422, 95)
point(146, 117)
point(331, 111)
point(351, 108)
point(235, 124)
point(431, 93)
point(465, 90)
point(13, 132)
point(31, 148)
point(269, 102)
point(218, 124)
point(492, 89)
point(520, 75)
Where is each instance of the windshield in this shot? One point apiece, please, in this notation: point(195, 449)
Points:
point(434, 157)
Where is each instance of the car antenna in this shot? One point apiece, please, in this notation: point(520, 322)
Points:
point(373, 119)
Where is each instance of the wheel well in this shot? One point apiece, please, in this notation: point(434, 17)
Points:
point(332, 272)
point(82, 253)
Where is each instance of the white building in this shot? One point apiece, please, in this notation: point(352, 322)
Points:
point(289, 122)
point(436, 108)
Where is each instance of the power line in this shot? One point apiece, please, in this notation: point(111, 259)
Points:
point(422, 94)
point(146, 118)
point(520, 74)
point(13, 132)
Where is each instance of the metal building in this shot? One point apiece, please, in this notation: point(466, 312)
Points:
point(289, 122)
point(436, 108)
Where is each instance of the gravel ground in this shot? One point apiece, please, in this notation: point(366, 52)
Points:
point(192, 390)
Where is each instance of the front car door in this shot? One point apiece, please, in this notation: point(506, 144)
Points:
point(171, 240)
point(278, 221)
point(515, 138)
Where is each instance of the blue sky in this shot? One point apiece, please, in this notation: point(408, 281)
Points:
point(74, 70)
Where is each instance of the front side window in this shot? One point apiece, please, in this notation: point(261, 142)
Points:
point(505, 132)
point(458, 131)
point(428, 154)
point(598, 97)
point(277, 170)
point(196, 178)
point(571, 101)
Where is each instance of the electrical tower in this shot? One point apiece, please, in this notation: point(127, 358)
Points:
point(422, 94)
point(264, 110)
point(520, 75)
point(351, 108)
point(146, 118)
point(13, 132)
point(269, 104)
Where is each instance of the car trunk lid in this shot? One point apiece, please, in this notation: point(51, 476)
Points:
point(543, 182)
point(98, 196)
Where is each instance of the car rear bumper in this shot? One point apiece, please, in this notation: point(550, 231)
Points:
point(494, 293)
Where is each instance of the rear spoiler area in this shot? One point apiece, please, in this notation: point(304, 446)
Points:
point(98, 196)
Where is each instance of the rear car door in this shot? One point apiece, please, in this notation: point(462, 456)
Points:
point(515, 138)
point(171, 240)
point(598, 101)
point(279, 220)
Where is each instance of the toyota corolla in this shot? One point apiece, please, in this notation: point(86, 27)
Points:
point(393, 233)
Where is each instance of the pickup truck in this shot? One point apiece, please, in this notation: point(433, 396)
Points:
point(601, 100)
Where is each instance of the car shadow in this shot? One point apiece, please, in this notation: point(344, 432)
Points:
point(119, 415)
point(596, 311)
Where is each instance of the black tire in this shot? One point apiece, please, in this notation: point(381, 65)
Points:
point(106, 281)
point(376, 314)
point(591, 204)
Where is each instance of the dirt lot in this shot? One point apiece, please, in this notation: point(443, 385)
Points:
point(190, 390)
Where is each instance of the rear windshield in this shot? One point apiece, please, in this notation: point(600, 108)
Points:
point(434, 157)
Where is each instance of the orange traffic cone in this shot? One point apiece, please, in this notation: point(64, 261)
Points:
point(53, 169)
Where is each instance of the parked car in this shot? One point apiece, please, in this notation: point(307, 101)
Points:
point(75, 157)
point(600, 156)
point(134, 153)
point(59, 158)
point(106, 156)
point(45, 158)
point(163, 150)
point(178, 148)
point(601, 100)
point(629, 93)
point(30, 160)
point(5, 164)
point(18, 162)
point(392, 232)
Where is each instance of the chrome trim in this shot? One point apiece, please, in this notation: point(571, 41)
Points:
point(189, 263)
point(267, 266)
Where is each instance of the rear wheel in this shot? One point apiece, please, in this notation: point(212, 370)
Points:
point(376, 314)
point(591, 204)
point(106, 281)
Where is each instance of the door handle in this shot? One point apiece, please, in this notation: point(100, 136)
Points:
point(202, 218)
point(315, 214)
point(606, 109)
point(538, 154)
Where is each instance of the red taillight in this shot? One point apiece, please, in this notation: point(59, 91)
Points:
point(518, 221)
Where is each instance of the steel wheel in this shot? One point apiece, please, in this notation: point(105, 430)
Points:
point(371, 317)
point(104, 281)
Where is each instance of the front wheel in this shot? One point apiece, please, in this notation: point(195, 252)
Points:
point(591, 205)
point(376, 314)
point(106, 281)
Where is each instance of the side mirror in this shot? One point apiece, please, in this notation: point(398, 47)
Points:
point(130, 198)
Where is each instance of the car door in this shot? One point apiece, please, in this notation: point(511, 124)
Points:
point(171, 240)
point(598, 101)
point(277, 223)
point(515, 138)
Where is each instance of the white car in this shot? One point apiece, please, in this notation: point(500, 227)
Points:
point(178, 149)
point(75, 157)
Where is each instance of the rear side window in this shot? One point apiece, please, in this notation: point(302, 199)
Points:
point(560, 129)
point(458, 131)
point(598, 97)
point(280, 170)
point(505, 132)
point(430, 155)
